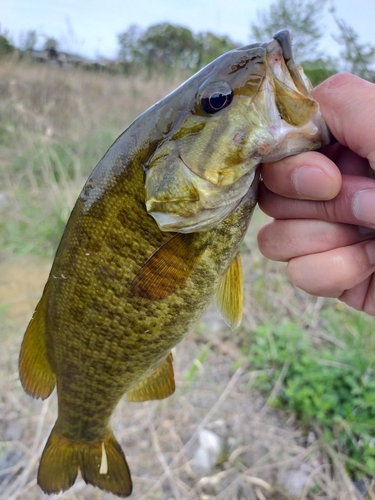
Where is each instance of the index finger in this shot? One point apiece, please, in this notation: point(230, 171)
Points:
point(306, 176)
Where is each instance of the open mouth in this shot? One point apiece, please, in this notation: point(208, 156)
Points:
point(288, 82)
point(281, 45)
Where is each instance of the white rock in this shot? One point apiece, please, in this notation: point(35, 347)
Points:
point(294, 481)
point(208, 452)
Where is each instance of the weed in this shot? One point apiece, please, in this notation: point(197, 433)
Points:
point(55, 127)
point(328, 383)
point(36, 228)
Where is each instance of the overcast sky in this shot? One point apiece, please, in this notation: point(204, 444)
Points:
point(91, 27)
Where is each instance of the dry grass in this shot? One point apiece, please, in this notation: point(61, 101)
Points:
point(72, 104)
point(265, 455)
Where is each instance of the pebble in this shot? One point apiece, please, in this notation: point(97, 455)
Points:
point(208, 452)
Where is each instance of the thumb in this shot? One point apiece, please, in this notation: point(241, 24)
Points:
point(347, 104)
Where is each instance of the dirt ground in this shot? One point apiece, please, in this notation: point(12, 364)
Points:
point(251, 451)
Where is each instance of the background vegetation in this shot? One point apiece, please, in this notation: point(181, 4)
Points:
point(169, 48)
point(290, 394)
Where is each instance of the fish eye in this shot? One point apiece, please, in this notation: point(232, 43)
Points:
point(216, 97)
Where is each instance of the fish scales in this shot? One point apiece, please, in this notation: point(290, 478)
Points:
point(106, 352)
point(154, 235)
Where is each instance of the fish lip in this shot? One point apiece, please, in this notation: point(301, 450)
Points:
point(284, 39)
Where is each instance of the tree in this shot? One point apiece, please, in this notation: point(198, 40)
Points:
point(166, 44)
point(210, 46)
point(168, 47)
point(50, 43)
point(129, 45)
point(6, 46)
point(301, 17)
point(51, 47)
point(319, 69)
point(30, 40)
point(357, 57)
point(160, 46)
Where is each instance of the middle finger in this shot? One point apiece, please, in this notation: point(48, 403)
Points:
point(355, 204)
point(283, 240)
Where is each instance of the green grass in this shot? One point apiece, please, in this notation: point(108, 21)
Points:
point(55, 127)
point(36, 229)
point(327, 382)
point(53, 162)
point(48, 177)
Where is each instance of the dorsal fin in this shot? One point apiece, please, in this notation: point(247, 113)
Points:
point(168, 267)
point(159, 384)
point(229, 295)
point(36, 374)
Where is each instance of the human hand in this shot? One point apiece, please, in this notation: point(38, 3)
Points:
point(323, 204)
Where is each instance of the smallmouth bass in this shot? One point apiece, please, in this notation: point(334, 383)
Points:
point(153, 236)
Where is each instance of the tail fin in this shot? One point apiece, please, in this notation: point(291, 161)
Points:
point(101, 462)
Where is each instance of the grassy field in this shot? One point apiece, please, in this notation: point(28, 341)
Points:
point(290, 394)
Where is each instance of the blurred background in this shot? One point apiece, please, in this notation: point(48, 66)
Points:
point(281, 408)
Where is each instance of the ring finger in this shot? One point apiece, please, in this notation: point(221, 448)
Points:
point(330, 273)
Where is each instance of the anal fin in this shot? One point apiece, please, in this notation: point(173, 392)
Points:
point(36, 374)
point(229, 295)
point(159, 384)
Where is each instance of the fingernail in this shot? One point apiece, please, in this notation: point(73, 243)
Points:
point(370, 249)
point(312, 182)
point(364, 206)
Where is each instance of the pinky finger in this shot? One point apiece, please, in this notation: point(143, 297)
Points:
point(330, 273)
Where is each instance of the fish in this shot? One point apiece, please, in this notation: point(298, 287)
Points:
point(153, 237)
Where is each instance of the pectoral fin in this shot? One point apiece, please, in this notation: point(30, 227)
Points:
point(158, 385)
point(229, 295)
point(168, 268)
point(36, 374)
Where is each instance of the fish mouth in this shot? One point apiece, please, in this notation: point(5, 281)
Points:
point(287, 82)
point(286, 111)
point(284, 42)
point(301, 82)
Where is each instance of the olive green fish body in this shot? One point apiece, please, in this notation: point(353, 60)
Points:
point(154, 235)
point(101, 338)
point(110, 336)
